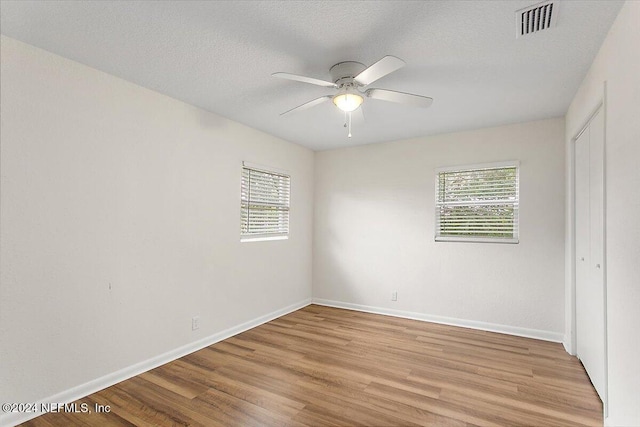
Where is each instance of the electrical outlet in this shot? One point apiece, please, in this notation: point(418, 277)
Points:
point(195, 323)
point(394, 296)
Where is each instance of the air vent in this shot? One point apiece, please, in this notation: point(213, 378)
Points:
point(536, 18)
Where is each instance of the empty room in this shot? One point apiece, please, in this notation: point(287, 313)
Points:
point(320, 213)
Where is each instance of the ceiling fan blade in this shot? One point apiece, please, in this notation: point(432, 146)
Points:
point(385, 66)
point(309, 104)
point(400, 97)
point(304, 79)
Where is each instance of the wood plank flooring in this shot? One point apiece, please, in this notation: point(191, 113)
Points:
point(324, 366)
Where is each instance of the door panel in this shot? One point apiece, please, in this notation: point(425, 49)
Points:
point(589, 240)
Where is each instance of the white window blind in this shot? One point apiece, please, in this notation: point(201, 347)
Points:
point(264, 204)
point(478, 203)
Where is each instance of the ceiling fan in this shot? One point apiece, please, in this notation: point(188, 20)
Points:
point(351, 79)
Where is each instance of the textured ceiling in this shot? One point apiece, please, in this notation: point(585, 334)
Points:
point(220, 55)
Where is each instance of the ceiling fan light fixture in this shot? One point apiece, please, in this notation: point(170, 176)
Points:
point(348, 101)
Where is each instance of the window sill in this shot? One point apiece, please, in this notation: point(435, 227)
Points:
point(262, 238)
point(476, 240)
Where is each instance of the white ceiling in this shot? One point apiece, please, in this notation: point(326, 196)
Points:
point(220, 55)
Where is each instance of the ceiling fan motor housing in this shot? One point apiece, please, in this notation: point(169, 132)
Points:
point(343, 72)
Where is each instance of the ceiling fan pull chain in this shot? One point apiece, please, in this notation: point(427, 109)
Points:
point(349, 125)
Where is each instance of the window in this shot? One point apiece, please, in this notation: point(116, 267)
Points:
point(477, 203)
point(264, 213)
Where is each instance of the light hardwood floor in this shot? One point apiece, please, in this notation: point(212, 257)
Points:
point(325, 366)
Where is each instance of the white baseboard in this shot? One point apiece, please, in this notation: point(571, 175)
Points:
point(473, 324)
point(82, 390)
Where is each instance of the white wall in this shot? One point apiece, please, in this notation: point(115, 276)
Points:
point(617, 64)
point(374, 231)
point(120, 221)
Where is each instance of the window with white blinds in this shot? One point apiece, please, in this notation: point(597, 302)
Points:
point(478, 203)
point(264, 204)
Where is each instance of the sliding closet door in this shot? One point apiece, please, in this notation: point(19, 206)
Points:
point(589, 241)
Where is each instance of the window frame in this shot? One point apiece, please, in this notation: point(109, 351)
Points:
point(478, 238)
point(258, 237)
